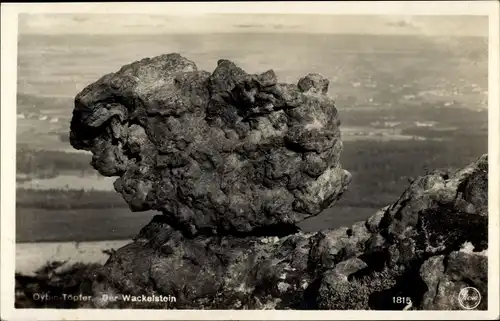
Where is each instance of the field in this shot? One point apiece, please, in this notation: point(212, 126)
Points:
point(30, 256)
point(81, 225)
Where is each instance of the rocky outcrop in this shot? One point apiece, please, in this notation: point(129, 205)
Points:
point(434, 238)
point(234, 161)
point(224, 153)
point(347, 268)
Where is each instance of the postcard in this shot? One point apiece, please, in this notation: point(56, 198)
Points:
point(250, 160)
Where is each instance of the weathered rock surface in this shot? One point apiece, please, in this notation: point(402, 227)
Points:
point(213, 271)
point(366, 266)
point(445, 276)
point(226, 152)
point(427, 226)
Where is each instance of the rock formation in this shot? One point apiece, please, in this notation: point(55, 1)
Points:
point(234, 161)
point(224, 153)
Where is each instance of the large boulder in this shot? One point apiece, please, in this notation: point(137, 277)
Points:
point(218, 153)
point(437, 214)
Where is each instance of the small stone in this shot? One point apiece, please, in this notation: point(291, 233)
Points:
point(283, 287)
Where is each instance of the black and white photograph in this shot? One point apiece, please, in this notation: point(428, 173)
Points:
point(249, 161)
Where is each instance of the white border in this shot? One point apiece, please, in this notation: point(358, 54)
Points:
point(8, 147)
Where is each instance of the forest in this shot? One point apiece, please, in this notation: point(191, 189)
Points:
point(39, 163)
point(59, 199)
point(381, 171)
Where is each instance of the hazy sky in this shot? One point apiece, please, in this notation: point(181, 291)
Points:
point(290, 23)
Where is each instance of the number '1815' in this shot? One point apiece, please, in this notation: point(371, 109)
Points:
point(401, 300)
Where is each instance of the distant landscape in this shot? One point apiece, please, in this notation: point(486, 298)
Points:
point(408, 105)
point(381, 171)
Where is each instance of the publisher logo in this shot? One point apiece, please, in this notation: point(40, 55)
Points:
point(469, 298)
